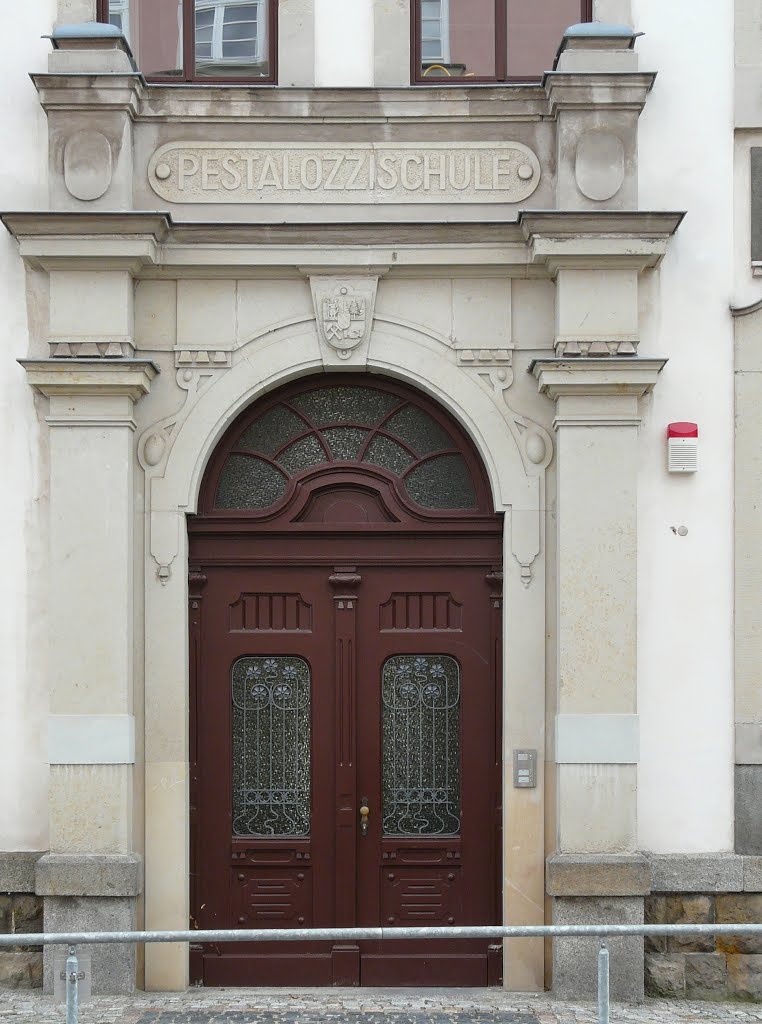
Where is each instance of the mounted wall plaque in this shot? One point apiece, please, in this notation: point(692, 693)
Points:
point(242, 172)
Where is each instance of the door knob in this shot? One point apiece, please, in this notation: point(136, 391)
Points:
point(364, 812)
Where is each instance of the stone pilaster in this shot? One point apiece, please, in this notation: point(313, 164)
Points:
point(92, 703)
point(596, 728)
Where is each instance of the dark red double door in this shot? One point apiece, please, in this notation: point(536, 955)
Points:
point(348, 753)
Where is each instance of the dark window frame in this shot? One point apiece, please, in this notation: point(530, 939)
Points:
point(187, 74)
point(501, 50)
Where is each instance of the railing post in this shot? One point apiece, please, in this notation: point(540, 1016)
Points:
point(603, 983)
point(72, 987)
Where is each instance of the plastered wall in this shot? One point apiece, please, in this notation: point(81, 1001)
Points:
point(685, 678)
point(23, 515)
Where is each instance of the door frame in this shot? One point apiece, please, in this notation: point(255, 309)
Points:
point(504, 440)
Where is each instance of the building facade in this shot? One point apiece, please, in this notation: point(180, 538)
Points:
point(350, 585)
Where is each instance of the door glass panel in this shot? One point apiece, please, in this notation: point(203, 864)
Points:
point(420, 697)
point(271, 747)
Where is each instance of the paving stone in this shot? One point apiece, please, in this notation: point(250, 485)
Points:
point(361, 1006)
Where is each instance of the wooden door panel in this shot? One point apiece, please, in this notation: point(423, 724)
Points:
point(258, 618)
point(345, 623)
point(421, 878)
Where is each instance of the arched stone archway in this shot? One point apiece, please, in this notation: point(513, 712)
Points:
point(515, 453)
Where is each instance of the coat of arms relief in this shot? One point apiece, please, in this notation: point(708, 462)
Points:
point(344, 316)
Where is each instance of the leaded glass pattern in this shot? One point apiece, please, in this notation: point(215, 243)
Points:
point(345, 404)
point(419, 430)
point(442, 482)
point(345, 442)
point(383, 451)
point(420, 698)
point(272, 430)
point(271, 746)
point(248, 482)
point(303, 454)
point(362, 424)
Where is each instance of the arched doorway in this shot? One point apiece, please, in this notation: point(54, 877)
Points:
point(345, 676)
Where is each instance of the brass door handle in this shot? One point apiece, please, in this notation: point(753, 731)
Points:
point(364, 812)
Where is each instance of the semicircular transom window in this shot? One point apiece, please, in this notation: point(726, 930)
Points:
point(346, 424)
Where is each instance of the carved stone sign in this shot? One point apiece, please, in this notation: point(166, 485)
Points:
point(244, 172)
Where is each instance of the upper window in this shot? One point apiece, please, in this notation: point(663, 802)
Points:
point(207, 40)
point(462, 41)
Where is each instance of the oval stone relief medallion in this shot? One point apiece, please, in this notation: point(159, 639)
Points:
point(600, 165)
point(243, 172)
point(87, 165)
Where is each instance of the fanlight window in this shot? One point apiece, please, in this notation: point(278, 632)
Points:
point(365, 426)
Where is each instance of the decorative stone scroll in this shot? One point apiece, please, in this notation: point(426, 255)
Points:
point(245, 172)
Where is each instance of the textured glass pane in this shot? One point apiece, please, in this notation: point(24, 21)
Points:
point(248, 482)
point(431, 9)
point(271, 747)
point(382, 451)
point(272, 430)
point(204, 19)
point(345, 405)
point(443, 483)
point(345, 442)
point(420, 697)
point(419, 430)
point(302, 454)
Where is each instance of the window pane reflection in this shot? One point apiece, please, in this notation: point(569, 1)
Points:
point(231, 38)
point(460, 38)
point(535, 31)
point(154, 31)
point(457, 38)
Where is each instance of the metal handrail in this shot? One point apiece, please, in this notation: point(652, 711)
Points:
point(602, 931)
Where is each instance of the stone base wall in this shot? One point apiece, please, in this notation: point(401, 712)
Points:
point(704, 967)
point(20, 966)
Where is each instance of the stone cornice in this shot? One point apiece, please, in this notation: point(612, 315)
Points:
point(593, 239)
point(603, 89)
point(90, 91)
point(539, 242)
point(271, 104)
point(602, 392)
point(88, 240)
point(127, 378)
point(609, 375)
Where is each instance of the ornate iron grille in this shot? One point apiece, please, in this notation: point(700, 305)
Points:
point(421, 745)
point(271, 746)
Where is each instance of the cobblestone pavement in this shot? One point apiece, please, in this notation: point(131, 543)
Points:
point(360, 1006)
